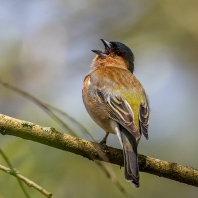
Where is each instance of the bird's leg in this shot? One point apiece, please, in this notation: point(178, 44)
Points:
point(104, 143)
point(104, 140)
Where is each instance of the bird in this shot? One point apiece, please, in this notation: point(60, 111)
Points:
point(117, 102)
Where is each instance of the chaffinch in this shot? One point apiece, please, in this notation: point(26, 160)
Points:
point(117, 102)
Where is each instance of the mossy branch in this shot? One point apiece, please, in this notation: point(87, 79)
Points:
point(49, 136)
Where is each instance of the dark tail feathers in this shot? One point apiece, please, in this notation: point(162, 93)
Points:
point(130, 157)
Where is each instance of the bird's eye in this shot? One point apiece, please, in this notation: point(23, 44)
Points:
point(118, 53)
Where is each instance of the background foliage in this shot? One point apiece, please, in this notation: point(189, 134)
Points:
point(46, 50)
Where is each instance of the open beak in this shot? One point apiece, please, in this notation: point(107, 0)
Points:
point(107, 49)
point(106, 44)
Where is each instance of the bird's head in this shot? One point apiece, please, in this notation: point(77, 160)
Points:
point(115, 54)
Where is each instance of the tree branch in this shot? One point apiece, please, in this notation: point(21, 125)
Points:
point(49, 136)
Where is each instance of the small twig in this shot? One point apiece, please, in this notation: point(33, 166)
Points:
point(114, 180)
point(27, 181)
point(39, 103)
point(6, 159)
point(72, 119)
point(11, 167)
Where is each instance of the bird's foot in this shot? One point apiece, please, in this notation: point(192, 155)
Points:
point(104, 146)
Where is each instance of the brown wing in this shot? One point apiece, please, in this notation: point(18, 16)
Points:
point(144, 119)
point(120, 111)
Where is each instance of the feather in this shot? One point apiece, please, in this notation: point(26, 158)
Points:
point(144, 119)
point(129, 145)
point(120, 111)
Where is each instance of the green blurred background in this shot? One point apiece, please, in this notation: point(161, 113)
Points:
point(45, 49)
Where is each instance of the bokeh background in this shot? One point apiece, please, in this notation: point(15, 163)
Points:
point(45, 49)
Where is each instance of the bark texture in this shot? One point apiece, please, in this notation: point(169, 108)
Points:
point(49, 136)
